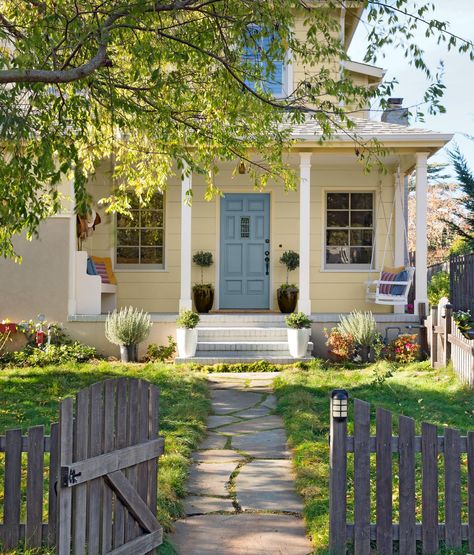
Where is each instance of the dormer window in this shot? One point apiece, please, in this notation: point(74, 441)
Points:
point(268, 66)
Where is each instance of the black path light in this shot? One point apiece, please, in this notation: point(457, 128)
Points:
point(339, 404)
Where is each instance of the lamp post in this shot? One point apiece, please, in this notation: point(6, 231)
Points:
point(338, 472)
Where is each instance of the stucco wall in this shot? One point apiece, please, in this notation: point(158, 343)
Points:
point(331, 291)
point(39, 285)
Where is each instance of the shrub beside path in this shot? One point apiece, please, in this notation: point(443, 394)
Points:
point(241, 493)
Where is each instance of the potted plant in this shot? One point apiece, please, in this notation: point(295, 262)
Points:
point(203, 293)
point(299, 331)
point(127, 328)
point(186, 334)
point(287, 294)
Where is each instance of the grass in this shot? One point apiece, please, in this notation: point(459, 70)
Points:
point(30, 396)
point(415, 390)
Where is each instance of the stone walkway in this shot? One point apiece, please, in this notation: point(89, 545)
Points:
point(241, 497)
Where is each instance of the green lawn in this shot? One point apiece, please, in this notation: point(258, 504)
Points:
point(303, 400)
point(30, 396)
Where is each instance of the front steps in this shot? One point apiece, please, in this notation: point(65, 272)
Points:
point(243, 338)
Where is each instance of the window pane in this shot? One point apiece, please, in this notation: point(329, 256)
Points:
point(337, 255)
point(151, 255)
point(338, 219)
point(338, 200)
point(359, 201)
point(127, 237)
point(152, 237)
point(127, 255)
point(156, 201)
point(361, 219)
point(339, 238)
point(361, 237)
point(361, 255)
point(127, 221)
point(151, 218)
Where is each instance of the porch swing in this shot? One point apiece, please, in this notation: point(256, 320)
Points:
point(393, 285)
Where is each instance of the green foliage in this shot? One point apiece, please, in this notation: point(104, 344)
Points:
point(187, 319)
point(298, 320)
point(48, 355)
point(289, 286)
point(142, 81)
point(464, 320)
point(257, 366)
point(361, 327)
point(203, 260)
point(202, 286)
point(128, 326)
point(438, 287)
point(161, 353)
point(464, 226)
point(416, 391)
point(461, 245)
point(405, 348)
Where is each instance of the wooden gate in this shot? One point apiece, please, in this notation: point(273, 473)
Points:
point(108, 470)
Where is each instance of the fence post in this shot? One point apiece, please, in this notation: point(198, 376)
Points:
point(433, 342)
point(447, 324)
point(423, 331)
point(338, 472)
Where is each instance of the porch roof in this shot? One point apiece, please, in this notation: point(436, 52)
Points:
point(366, 129)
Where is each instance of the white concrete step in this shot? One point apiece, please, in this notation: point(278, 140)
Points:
point(242, 358)
point(242, 320)
point(246, 346)
point(241, 333)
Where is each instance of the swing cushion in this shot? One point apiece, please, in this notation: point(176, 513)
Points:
point(400, 289)
point(386, 288)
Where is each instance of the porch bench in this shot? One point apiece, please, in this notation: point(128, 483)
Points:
point(93, 296)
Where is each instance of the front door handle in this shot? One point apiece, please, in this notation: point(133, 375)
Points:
point(267, 265)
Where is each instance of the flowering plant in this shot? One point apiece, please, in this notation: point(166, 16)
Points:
point(463, 320)
point(341, 347)
point(405, 348)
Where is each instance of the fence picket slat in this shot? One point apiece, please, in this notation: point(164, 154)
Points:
point(153, 408)
point(361, 477)
point(12, 489)
point(120, 442)
point(109, 426)
point(34, 487)
point(95, 486)
point(53, 484)
point(407, 515)
point(81, 450)
point(470, 485)
point(131, 528)
point(429, 455)
point(452, 487)
point(65, 494)
point(384, 481)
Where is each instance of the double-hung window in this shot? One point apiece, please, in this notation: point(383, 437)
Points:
point(349, 233)
point(266, 71)
point(140, 238)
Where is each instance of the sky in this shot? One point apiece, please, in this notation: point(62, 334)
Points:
point(459, 75)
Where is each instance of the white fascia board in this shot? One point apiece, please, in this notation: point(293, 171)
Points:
point(405, 137)
point(364, 69)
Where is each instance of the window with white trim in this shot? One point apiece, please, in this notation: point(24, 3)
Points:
point(349, 232)
point(140, 238)
point(258, 54)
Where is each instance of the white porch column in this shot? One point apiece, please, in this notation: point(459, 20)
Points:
point(399, 252)
point(421, 232)
point(304, 303)
point(185, 302)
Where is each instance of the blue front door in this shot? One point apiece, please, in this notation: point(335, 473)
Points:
point(245, 251)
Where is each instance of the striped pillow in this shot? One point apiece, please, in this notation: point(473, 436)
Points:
point(385, 288)
point(102, 272)
point(103, 267)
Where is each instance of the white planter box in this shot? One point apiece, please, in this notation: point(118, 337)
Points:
point(298, 342)
point(187, 342)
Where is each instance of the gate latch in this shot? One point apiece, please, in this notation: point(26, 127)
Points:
point(69, 476)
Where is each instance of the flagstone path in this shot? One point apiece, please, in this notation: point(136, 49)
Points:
point(241, 494)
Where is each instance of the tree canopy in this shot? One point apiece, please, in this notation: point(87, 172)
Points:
point(159, 86)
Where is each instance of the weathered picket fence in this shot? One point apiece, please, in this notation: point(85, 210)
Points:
point(42, 460)
point(411, 528)
point(101, 465)
point(447, 342)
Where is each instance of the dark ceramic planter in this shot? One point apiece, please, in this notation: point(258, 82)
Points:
point(128, 353)
point(287, 300)
point(203, 299)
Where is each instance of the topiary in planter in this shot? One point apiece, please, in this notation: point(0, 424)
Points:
point(127, 328)
point(203, 293)
point(287, 294)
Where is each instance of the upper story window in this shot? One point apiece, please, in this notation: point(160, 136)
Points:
point(349, 233)
point(140, 239)
point(271, 72)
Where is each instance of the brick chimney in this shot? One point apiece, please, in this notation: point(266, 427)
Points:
point(395, 113)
